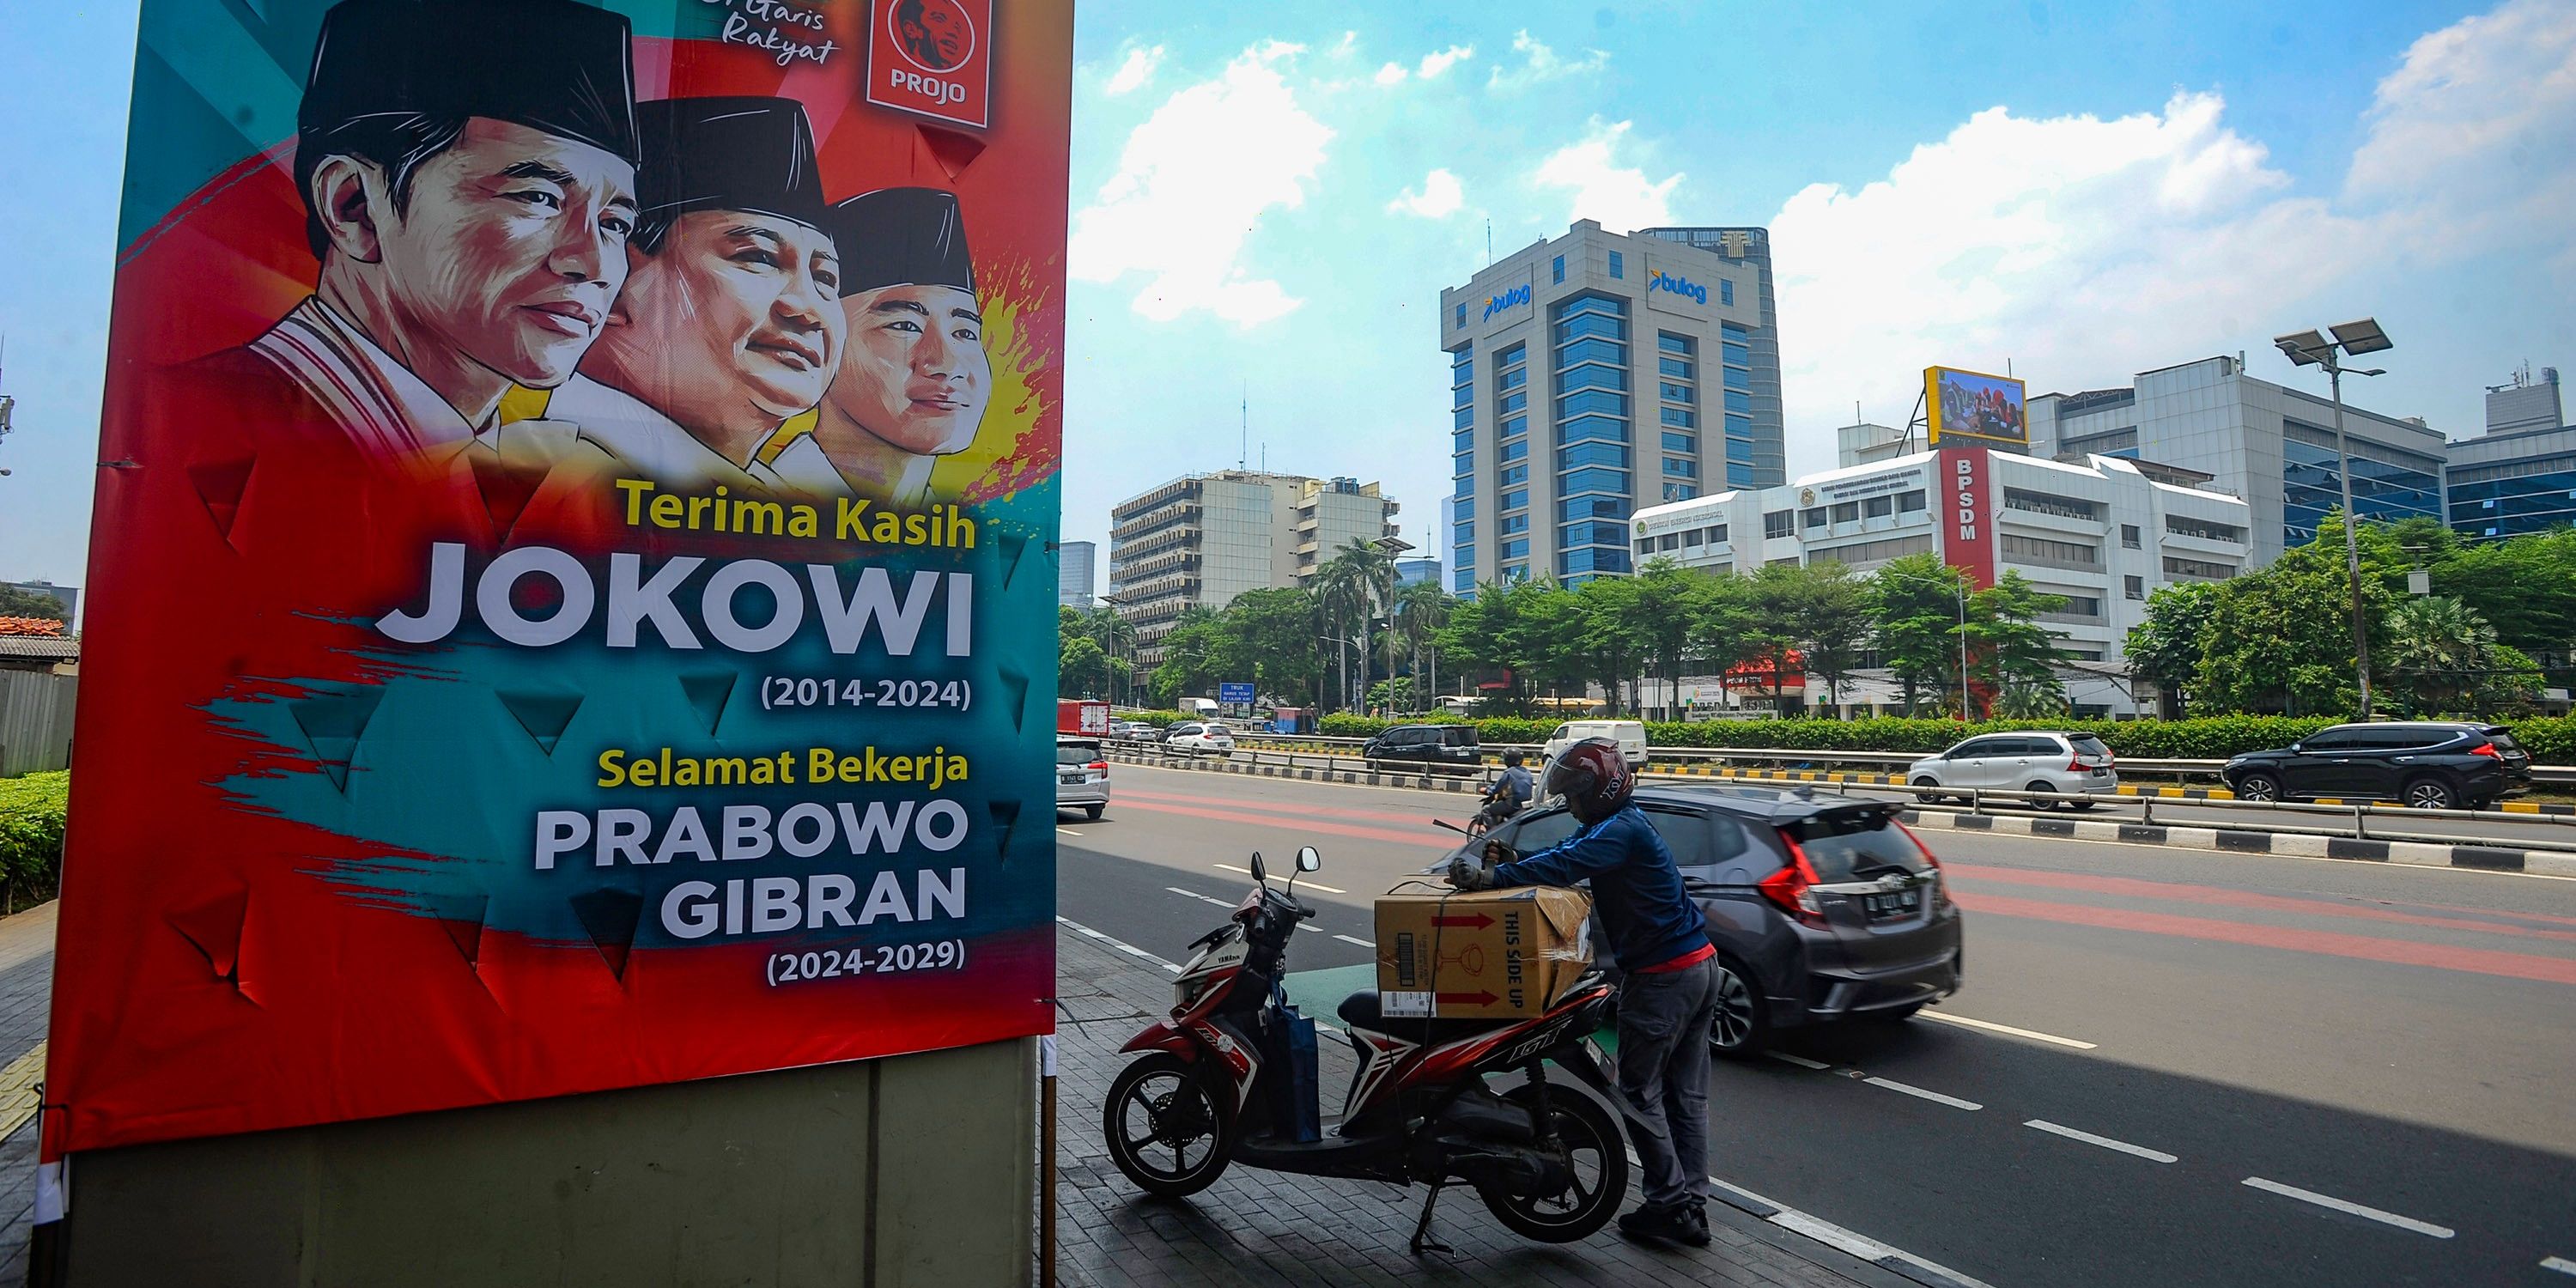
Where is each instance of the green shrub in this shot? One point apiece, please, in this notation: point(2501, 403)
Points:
point(31, 833)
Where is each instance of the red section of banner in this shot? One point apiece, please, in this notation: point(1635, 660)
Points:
point(1967, 517)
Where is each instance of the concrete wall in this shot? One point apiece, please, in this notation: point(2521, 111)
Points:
point(913, 1170)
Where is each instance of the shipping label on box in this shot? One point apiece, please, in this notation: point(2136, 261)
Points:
point(1490, 954)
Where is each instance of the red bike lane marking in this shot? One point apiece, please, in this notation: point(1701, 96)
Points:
point(1300, 811)
point(2180, 893)
point(2329, 943)
point(1308, 824)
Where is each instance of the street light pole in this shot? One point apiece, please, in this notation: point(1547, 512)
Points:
point(2310, 349)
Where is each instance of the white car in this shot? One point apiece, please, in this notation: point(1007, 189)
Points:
point(2073, 765)
point(1081, 775)
point(1209, 739)
point(1629, 734)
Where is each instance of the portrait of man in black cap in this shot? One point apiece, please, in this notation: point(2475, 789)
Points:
point(916, 379)
point(936, 34)
point(468, 173)
point(730, 323)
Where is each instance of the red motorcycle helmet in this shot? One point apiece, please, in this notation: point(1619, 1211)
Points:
point(1593, 778)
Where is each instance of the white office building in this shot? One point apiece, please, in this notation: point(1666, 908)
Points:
point(1205, 538)
point(2104, 534)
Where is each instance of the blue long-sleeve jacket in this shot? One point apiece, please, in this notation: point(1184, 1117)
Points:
point(1636, 890)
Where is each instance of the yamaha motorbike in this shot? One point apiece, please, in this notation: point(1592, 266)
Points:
point(1230, 1078)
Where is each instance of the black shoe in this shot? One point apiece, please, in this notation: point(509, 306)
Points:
point(1696, 1212)
point(1659, 1221)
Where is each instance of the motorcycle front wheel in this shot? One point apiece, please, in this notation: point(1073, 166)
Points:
point(1598, 1156)
point(1164, 1128)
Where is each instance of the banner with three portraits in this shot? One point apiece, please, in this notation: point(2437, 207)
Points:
point(575, 520)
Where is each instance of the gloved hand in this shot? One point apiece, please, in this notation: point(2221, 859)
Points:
point(1468, 874)
point(1497, 853)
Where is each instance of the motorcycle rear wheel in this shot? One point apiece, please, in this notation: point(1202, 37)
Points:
point(1161, 1109)
point(1599, 1156)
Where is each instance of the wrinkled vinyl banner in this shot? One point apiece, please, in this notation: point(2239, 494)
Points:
point(573, 555)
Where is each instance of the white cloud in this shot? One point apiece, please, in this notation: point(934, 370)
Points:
point(1390, 74)
point(1193, 182)
point(1441, 60)
point(1621, 197)
point(1135, 73)
point(1439, 197)
point(2473, 132)
point(1540, 63)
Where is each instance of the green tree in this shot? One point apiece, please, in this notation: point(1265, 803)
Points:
point(1722, 635)
point(1776, 597)
point(2009, 652)
point(2165, 649)
point(1665, 614)
point(1267, 637)
point(1351, 587)
point(1421, 609)
point(1603, 621)
point(32, 603)
point(2280, 640)
point(1082, 670)
point(2432, 654)
point(1916, 604)
point(1833, 623)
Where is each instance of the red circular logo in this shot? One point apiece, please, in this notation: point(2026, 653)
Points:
point(933, 35)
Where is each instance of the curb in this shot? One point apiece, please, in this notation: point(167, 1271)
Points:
point(2549, 863)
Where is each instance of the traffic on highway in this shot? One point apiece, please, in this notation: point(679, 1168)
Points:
point(2167, 1065)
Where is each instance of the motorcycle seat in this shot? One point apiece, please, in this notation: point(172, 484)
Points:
point(1361, 1010)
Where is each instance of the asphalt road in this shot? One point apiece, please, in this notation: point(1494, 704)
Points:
point(2224, 1047)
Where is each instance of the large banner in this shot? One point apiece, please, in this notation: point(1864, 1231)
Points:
point(576, 515)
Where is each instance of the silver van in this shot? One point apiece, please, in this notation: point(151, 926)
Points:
point(2076, 766)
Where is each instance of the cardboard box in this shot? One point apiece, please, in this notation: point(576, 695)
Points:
point(1492, 954)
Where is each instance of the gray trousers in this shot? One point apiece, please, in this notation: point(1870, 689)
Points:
point(1663, 1075)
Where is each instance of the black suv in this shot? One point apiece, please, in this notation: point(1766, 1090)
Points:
point(1822, 907)
point(1436, 744)
point(2423, 764)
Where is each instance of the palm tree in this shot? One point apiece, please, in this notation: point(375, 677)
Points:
point(2439, 648)
point(1352, 585)
point(1421, 609)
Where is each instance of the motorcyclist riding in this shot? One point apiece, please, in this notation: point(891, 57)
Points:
point(1660, 940)
point(1508, 795)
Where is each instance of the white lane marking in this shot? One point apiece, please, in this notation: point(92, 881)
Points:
point(1798, 1060)
point(1236, 867)
point(1121, 945)
point(2353, 1209)
point(1360, 942)
point(1823, 1231)
point(1935, 1097)
point(1066, 831)
point(1193, 894)
point(2560, 1264)
point(2104, 1141)
point(1992, 1027)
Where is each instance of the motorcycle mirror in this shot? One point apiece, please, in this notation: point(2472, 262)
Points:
point(1258, 876)
point(1308, 860)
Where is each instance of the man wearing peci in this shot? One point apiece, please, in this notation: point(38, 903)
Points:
point(915, 380)
point(730, 324)
point(470, 196)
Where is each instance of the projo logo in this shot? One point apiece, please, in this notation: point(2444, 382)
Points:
point(1511, 299)
point(1658, 280)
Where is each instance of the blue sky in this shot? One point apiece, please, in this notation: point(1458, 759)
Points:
point(1267, 199)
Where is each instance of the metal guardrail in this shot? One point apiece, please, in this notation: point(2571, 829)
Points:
point(2148, 767)
point(2533, 831)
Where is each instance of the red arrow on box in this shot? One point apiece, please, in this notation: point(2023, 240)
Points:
point(1477, 922)
point(1471, 999)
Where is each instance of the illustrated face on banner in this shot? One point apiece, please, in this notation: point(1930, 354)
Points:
point(917, 375)
point(503, 250)
point(934, 33)
point(735, 315)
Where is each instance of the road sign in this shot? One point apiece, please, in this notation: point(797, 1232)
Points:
point(1233, 694)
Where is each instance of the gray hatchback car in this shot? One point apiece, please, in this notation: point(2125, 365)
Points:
point(1822, 907)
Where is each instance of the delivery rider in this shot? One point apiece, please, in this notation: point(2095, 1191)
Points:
point(1670, 996)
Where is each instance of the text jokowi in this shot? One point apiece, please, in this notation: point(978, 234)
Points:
point(635, 601)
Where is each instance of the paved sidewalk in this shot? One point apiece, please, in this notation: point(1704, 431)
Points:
point(1254, 1227)
point(26, 992)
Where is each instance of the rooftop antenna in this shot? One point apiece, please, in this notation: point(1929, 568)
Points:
point(1489, 239)
point(1243, 441)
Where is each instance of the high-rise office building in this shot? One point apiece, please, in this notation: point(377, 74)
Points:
point(1073, 573)
point(2270, 444)
point(2521, 476)
point(1595, 373)
point(1203, 539)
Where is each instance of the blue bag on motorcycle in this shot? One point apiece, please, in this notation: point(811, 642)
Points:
point(1295, 1097)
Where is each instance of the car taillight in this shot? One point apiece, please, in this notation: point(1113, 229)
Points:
point(1940, 888)
point(2075, 763)
point(1101, 765)
point(1793, 887)
point(2486, 749)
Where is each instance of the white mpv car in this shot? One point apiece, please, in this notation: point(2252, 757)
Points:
point(2073, 765)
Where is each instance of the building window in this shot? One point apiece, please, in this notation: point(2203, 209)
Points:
point(2064, 507)
point(1738, 474)
point(2183, 526)
point(1515, 449)
point(2197, 569)
point(1466, 533)
point(1618, 264)
point(1680, 491)
point(1645, 545)
point(1739, 449)
point(1513, 476)
point(1739, 401)
point(1592, 507)
point(2053, 554)
point(1581, 454)
point(1466, 463)
point(1607, 429)
point(2129, 536)
point(1513, 427)
point(1677, 368)
point(1462, 315)
point(1512, 525)
point(1465, 509)
point(1691, 539)
point(1680, 442)
point(1515, 500)
point(1780, 523)
point(1878, 507)
point(1677, 416)
point(1679, 468)
point(1671, 343)
point(1516, 549)
point(1596, 480)
point(1734, 354)
point(1512, 379)
point(1669, 541)
point(1560, 268)
point(1847, 512)
point(1515, 401)
point(1462, 440)
point(1726, 290)
point(1812, 518)
point(1678, 393)
point(1860, 552)
point(1909, 502)
point(1717, 534)
point(1739, 378)
point(2134, 587)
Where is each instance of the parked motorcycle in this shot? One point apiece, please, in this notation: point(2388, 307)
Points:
point(1230, 1078)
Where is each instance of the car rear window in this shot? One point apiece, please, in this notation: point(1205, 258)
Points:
point(2088, 745)
point(1076, 753)
point(1854, 846)
point(2503, 740)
